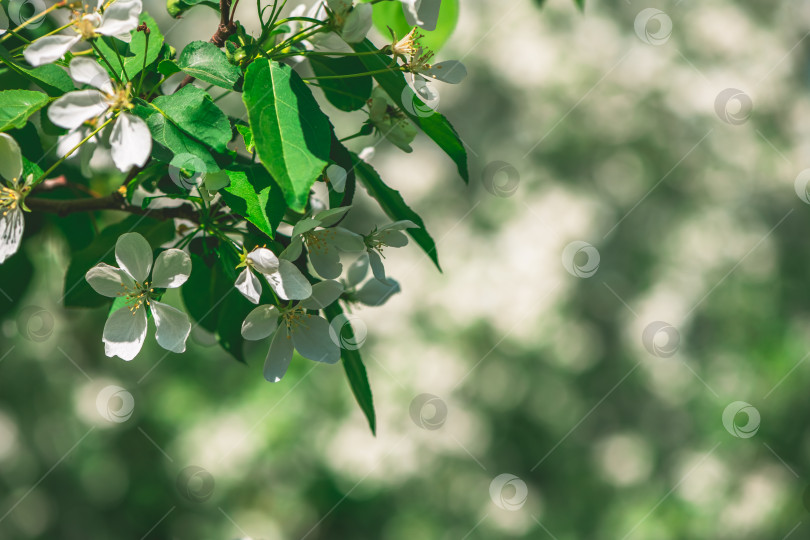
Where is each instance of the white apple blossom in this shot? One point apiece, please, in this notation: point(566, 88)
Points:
point(130, 139)
point(390, 235)
point(389, 121)
point(283, 276)
point(125, 329)
point(116, 18)
point(295, 329)
point(324, 242)
point(422, 13)
point(352, 22)
point(12, 196)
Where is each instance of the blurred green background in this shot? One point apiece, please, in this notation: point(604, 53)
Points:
point(602, 396)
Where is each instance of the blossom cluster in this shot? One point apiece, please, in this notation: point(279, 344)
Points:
point(265, 212)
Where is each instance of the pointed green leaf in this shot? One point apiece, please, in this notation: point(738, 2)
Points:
point(255, 196)
point(348, 94)
point(291, 134)
point(355, 371)
point(205, 61)
point(193, 111)
point(17, 105)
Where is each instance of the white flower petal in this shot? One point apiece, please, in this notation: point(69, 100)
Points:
point(263, 260)
point(312, 340)
point(305, 225)
point(11, 230)
point(134, 255)
point(278, 357)
point(377, 266)
point(337, 177)
point(49, 48)
point(260, 323)
point(428, 14)
point(357, 23)
point(172, 268)
point(293, 251)
point(326, 263)
point(249, 285)
point(411, 13)
point(288, 282)
point(124, 333)
point(88, 71)
point(376, 292)
point(323, 294)
point(348, 241)
point(11, 166)
point(109, 281)
point(75, 108)
point(393, 238)
point(121, 17)
point(450, 71)
point(357, 271)
point(328, 218)
point(130, 142)
point(173, 326)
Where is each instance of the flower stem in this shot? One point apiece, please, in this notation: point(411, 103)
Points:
point(99, 53)
point(375, 72)
point(120, 60)
point(69, 152)
point(143, 69)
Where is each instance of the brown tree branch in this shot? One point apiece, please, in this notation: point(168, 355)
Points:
point(113, 201)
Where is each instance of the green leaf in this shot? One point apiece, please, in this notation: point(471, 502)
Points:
point(206, 62)
point(247, 135)
point(291, 134)
point(172, 145)
point(394, 206)
point(348, 94)
point(255, 196)
point(136, 53)
point(177, 8)
point(391, 14)
point(193, 111)
point(435, 126)
point(77, 292)
point(17, 105)
point(167, 68)
point(355, 371)
point(51, 78)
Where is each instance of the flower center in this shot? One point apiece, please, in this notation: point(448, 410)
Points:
point(9, 200)
point(85, 24)
point(294, 317)
point(319, 240)
point(138, 295)
point(119, 100)
point(420, 61)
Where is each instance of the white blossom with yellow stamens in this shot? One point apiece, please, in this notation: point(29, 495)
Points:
point(12, 196)
point(130, 140)
point(118, 19)
point(125, 330)
point(295, 329)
